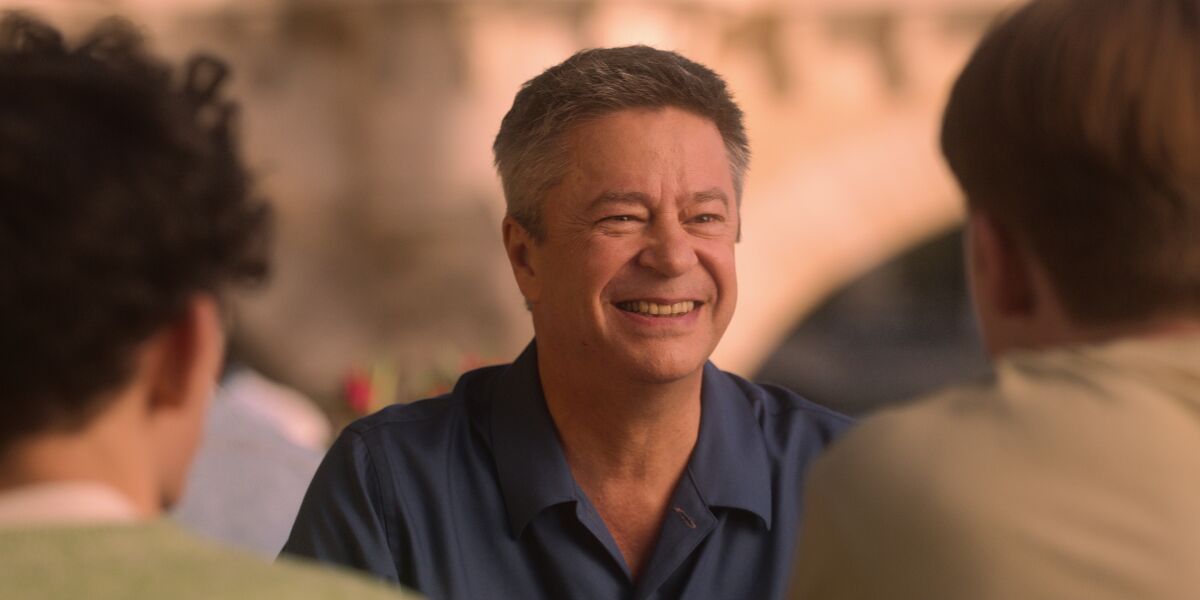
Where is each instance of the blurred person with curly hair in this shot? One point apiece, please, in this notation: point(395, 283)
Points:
point(125, 217)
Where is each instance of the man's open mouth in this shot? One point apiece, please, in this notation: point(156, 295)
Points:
point(653, 309)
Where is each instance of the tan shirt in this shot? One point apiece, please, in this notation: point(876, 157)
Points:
point(157, 561)
point(72, 540)
point(1076, 474)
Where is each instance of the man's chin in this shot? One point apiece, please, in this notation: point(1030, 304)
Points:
point(660, 370)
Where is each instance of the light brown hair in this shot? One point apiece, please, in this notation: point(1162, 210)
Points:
point(1076, 126)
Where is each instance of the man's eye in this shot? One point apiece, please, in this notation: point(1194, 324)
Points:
point(708, 218)
point(621, 218)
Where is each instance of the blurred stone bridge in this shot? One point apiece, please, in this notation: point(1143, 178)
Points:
point(370, 122)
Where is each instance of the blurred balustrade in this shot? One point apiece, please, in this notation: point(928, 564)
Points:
point(370, 123)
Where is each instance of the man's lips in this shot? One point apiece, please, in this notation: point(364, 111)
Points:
point(659, 308)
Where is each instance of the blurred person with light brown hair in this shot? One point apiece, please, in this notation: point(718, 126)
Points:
point(125, 217)
point(1074, 131)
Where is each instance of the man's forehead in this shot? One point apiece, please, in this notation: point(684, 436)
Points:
point(624, 151)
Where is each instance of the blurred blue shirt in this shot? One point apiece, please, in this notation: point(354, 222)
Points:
point(469, 496)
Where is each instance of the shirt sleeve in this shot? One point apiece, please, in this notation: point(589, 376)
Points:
point(877, 525)
point(341, 520)
point(826, 560)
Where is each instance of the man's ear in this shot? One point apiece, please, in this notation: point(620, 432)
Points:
point(521, 248)
point(190, 351)
point(1002, 276)
point(187, 357)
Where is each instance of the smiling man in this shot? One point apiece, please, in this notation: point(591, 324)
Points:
point(610, 460)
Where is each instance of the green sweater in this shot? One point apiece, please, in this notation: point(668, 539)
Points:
point(158, 560)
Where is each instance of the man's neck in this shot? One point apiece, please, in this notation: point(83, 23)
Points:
point(108, 452)
point(627, 444)
point(620, 429)
point(1078, 335)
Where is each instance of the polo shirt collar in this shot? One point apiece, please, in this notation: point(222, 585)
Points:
point(729, 464)
point(530, 463)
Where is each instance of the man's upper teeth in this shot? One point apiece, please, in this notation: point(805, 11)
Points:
point(651, 308)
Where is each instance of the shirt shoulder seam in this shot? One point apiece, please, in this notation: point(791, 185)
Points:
point(367, 425)
point(797, 403)
point(384, 507)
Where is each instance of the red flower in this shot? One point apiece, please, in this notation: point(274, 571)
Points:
point(357, 392)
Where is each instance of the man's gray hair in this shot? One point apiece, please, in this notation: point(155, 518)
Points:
point(529, 150)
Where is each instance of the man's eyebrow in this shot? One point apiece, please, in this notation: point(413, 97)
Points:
point(618, 197)
point(709, 195)
point(629, 197)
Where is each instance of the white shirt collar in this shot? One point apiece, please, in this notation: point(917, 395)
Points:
point(64, 503)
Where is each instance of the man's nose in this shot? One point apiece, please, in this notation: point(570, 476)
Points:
point(669, 249)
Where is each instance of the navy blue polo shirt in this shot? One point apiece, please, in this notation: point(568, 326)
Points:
point(469, 496)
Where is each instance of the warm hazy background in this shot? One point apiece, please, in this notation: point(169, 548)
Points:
point(370, 122)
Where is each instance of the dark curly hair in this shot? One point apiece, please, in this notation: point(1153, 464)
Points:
point(122, 195)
